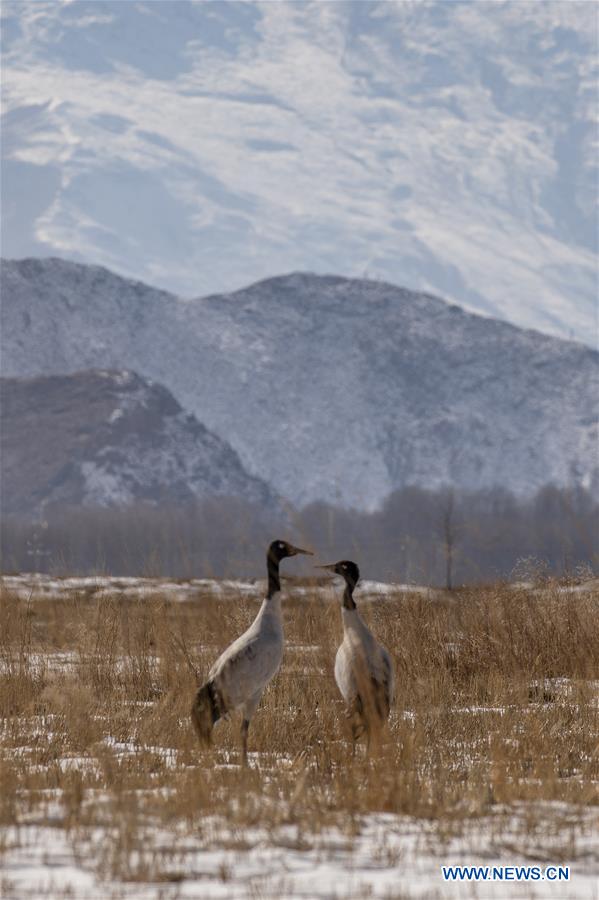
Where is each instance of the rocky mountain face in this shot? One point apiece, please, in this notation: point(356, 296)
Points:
point(192, 145)
point(109, 438)
point(328, 388)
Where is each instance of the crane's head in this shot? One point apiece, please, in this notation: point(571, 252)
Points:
point(347, 569)
point(279, 550)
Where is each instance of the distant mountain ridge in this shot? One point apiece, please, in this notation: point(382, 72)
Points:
point(109, 438)
point(328, 388)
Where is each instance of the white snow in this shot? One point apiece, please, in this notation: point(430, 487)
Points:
point(451, 151)
point(389, 856)
point(382, 399)
point(115, 415)
point(37, 586)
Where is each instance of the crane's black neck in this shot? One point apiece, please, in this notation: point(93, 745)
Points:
point(274, 583)
point(348, 596)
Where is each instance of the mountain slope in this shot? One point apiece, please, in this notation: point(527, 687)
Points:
point(109, 438)
point(328, 388)
point(192, 145)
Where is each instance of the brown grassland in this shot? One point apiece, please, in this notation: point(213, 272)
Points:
point(496, 720)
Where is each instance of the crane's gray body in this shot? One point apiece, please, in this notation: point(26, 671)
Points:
point(362, 664)
point(244, 669)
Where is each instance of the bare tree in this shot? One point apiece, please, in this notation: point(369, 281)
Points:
point(446, 536)
point(449, 533)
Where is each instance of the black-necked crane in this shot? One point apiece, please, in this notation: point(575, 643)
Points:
point(238, 677)
point(363, 668)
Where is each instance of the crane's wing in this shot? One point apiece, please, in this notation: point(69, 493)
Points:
point(375, 680)
point(246, 667)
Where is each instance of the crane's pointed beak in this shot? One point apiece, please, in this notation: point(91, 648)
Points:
point(293, 551)
point(330, 567)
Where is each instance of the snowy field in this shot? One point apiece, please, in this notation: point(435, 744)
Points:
point(491, 757)
point(36, 586)
point(389, 857)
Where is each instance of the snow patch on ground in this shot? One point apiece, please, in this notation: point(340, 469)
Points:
point(37, 586)
point(390, 856)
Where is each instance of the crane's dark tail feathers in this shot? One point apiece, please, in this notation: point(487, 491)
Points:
point(206, 710)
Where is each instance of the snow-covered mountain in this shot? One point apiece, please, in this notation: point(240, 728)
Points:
point(327, 388)
point(109, 438)
point(447, 147)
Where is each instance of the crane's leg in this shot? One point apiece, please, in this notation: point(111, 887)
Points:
point(248, 710)
point(357, 724)
point(245, 725)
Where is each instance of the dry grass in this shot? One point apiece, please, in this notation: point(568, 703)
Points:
point(497, 717)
